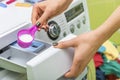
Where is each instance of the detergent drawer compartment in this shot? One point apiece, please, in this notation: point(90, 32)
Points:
point(14, 58)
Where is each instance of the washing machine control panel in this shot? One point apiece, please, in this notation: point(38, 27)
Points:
point(74, 20)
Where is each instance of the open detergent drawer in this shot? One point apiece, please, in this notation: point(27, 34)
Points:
point(14, 58)
point(39, 61)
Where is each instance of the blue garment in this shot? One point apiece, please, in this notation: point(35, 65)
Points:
point(100, 75)
point(101, 49)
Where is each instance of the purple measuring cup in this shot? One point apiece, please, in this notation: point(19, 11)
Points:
point(26, 36)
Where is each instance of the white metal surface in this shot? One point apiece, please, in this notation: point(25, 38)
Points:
point(49, 62)
point(52, 63)
point(12, 19)
point(81, 20)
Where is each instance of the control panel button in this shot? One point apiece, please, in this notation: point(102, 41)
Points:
point(84, 20)
point(78, 24)
point(72, 28)
point(64, 34)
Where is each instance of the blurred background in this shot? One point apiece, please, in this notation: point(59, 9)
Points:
point(99, 11)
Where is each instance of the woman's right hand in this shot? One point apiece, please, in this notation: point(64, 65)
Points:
point(47, 9)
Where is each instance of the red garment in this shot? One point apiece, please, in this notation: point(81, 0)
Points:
point(118, 60)
point(111, 77)
point(98, 60)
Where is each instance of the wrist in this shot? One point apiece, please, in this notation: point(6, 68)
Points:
point(109, 27)
point(103, 33)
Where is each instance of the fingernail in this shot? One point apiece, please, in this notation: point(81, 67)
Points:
point(55, 43)
point(38, 24)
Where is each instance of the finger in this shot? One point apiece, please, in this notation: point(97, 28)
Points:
point(72, 73)
point(66, 44)
point(75, 68)
point(39, 29)
point(45, 17)
point(44, 26)
point(36, 13)
point(80, 61)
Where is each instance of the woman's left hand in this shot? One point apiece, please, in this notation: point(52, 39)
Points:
point(85, 46)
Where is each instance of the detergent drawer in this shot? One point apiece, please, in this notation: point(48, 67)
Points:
point(14, 58)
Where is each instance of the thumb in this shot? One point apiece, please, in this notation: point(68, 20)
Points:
point(65, 44)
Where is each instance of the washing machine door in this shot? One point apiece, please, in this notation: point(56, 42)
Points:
point(52, 64)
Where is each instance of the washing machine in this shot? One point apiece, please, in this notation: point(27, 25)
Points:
point(41, 61)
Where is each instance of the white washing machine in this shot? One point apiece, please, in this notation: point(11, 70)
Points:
point(74, 20)
point(41, 61)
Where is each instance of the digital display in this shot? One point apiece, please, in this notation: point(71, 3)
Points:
point(74, 12)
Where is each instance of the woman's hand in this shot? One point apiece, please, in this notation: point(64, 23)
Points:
point(47, 9)
point(85, 46)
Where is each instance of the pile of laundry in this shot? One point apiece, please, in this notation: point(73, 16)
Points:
point(107, 62)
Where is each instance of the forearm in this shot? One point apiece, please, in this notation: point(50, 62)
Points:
point(67, 2)
point(109, 27)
